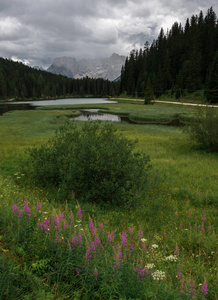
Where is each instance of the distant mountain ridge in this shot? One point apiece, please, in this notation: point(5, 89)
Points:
point(106, 68)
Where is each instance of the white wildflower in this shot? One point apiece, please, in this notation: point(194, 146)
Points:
point(158, 275)
point(154, 246)
point(149, 266)
point(143, 240)
point(171, 258)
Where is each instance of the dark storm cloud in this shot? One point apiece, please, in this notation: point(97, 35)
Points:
point(41, 30)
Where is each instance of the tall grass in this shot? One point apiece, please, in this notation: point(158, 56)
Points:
point(74, 254)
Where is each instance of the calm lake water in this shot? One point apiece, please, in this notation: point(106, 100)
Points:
point(24, 105)
point(67, 101)
point(93, 114)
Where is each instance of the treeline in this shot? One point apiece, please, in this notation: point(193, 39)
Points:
point(182, 60)
point(19, 81)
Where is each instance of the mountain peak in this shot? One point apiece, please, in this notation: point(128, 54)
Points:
point(106, 68)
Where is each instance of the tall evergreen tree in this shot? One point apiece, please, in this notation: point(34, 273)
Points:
point(212, 82)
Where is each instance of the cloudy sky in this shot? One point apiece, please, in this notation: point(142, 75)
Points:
point(37, 31)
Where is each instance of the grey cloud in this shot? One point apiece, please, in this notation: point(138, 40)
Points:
point(41, 30)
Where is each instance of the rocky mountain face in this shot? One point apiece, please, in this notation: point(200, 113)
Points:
point(107, 68)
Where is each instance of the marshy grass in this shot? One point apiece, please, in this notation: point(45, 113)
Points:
point(163, 246)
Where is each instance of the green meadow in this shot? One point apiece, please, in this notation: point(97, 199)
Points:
point(163, 245)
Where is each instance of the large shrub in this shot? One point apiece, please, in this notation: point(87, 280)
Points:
point(205, 130)
point(92, 161)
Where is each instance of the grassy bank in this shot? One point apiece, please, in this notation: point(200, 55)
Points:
point(172, 228)
point(140, 113)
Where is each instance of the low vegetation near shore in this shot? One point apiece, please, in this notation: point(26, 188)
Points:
point(162, 245)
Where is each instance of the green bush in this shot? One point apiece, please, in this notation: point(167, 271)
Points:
point(91, 161)
point(205, 130)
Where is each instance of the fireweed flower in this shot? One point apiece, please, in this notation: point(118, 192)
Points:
point(65, 226)
point(79, 213)
point(56, 223)
point(59, 239)
point(77, 240)
point(72, 220)
point(101, 225)
point(26, 209)
point(204, 287)
point(45, 226)
point(39, 206)
point(93, 249)
point(61, 217)
point(131, 247)
point(110, 237)
point(176, 252)
point(203, 219)
point(16, 210)
point(95, 274)
point(131, 230)
point(123, 239)
point(118, 255)
point(140, 234)
point(92, 228)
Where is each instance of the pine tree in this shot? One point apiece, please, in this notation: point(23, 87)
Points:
point(149, 92)
point(212, 82)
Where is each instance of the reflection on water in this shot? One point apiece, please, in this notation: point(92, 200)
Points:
point(25, 105)
point(93, 114)
point(67, 101)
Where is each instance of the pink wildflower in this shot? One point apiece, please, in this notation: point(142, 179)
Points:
point(176, 252)
point(16, 210)
point(39, 206)
point(131, 230)
point(140, 234)
point(26, 208)
point(204, 287)
point(131, 248)
point(45, 226)
point(92, 228)
point(95, 274)
point(110, 237)
point(72, 220)
point(79, 214)
point(123, 239)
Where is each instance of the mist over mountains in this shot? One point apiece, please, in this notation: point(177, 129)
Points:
point(106, 68)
